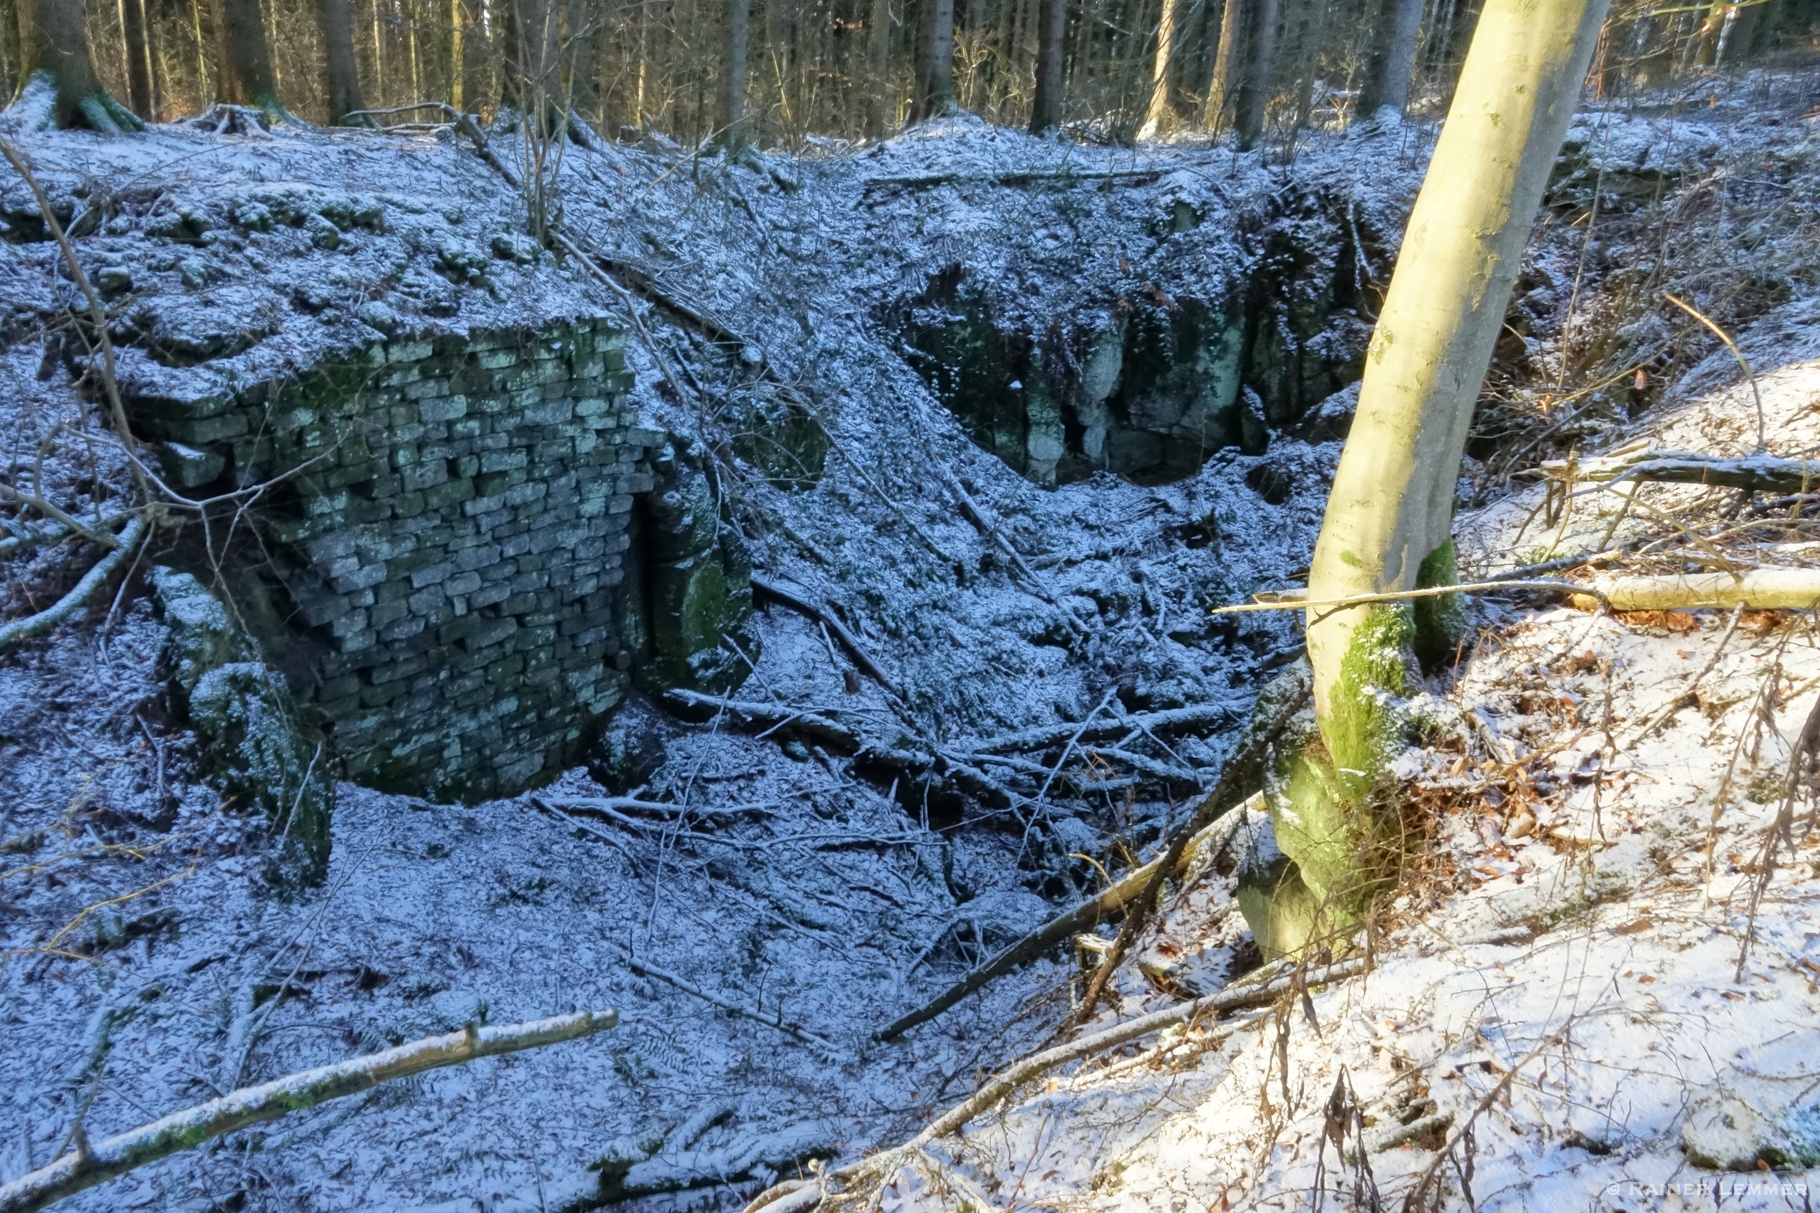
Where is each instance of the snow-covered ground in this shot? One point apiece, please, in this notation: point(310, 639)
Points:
point(148, 965)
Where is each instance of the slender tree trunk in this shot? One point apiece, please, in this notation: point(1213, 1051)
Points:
point(1259, 74)
point(1389, 517)
point(457, 55)
point(54, 58)
point(138, 57)
point(733, 76)
point(342, 78)
point(1227, 64)
point(1156, 112)
point(1051, 39)
point(879, 30)
point(1737, 43)
point(1393, 56)
point(584, 61)
point(246, 58)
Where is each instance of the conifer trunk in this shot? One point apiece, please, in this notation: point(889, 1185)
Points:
point(1157, 111)
point(342, 83)
point(1393, 57)
point(1258, 74)
point(137, 44)
point(245, 76)
point(733, 76)
point(1226, 63)
point(54, 59)
point(1051, 37)
point(935, 61)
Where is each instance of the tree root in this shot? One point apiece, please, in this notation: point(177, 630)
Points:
point(89, 1165)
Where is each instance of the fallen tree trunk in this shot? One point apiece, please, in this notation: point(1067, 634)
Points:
point(89, 1165)
point(1164, 721)
point(848, 640)
point(1752, 589)
point(1755, 474)
point(1084, 916)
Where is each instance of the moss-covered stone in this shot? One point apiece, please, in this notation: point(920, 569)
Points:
point(256, 739)
point(1440, 623)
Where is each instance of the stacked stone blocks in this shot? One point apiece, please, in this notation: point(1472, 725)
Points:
point(449, 523)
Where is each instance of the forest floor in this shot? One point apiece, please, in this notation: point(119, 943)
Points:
point(148, 965)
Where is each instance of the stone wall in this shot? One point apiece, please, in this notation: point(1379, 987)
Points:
point(437, 562)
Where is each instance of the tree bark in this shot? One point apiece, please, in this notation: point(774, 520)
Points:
point(884, 113)
point(733, 76)
point(1389, 516)
point(1051, 39)
point(1227, 63)
point(56, 73)
point(133, 36)
point(1259, 73)
point(1393, 57)
point(935, 61)
point(1157, 111)
point(245, 75)
point(342, 78)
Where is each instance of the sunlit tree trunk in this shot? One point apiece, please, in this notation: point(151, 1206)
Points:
point(1389, 518)
point(1157, 111)
point(1393, 56)
point(58, 85)
point(457, 55)
point(1226, 63)
point(342, 79)
point(1051, 40)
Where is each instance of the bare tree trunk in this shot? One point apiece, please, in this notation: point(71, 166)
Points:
point(733, 76)
point(56, 73)
point(584, 60)
point(342, 79)
point(1226, 63)
point(138, 57)
point(1388, 525)
point(1157, 110)
point(457, 54)
point(1259, 74)
point(246, 59)
point(884, 113)
point(1393, 56)
point(935, 62)
point(1051, 38)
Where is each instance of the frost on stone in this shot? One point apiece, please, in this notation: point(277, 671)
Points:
point(256, 743)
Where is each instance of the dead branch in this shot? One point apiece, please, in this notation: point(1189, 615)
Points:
point(1771, 589)
point(1236, 997)
point(88, 1165)
point(796, 602)
point(1258, 738)
point(1757, 474)
point(1164, 721)
point(23, 629)
point(775, 1020)
point(1289, 603)
point(1112, 900)
point(1138, 176)
point(652, 808)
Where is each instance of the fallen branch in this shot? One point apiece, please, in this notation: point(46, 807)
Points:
point(43, 621)
point(89, 1165)
point(1136, 176)
point(1235, 997)
point(651, 808)
point(775, 1020)
point(1287, 603)
point(1166, 720)
point(1752, 589)
point(1087, 914)
point(828, 618)
point(1756, 474)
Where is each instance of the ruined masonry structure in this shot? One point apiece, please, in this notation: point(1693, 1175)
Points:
point(439, 572)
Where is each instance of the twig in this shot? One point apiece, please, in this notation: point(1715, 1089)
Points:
point(1737, 353)
point(89, 1165)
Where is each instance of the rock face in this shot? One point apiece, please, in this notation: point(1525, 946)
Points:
point(438, 563)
